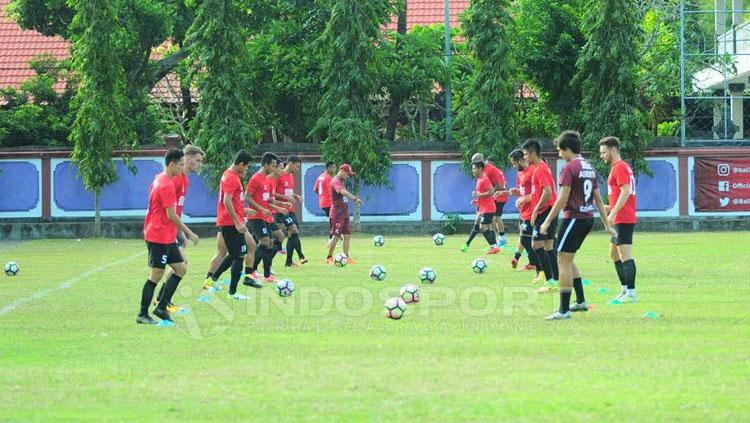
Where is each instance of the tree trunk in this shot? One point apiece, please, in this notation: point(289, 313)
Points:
point(356, 218)
point(396, 99)
point(97, 216)
point(423, 121)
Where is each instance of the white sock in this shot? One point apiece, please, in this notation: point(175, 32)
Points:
point(631, 292)
point(624, 289)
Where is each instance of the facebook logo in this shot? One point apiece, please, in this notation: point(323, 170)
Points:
point(723, 186)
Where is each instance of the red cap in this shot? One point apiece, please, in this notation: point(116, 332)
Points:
point(346, 167)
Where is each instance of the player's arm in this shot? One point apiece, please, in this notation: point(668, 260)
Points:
point(349, 195)
point(546, 194)
point(227, 200)
point(621, 200)
point(172, 215)
point(562, 198)
point(279, 206)
point(603, 212)
point(489, 193)
point(256, 206)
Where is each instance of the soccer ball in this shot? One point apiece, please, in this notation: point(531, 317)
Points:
point(479, 265)
point(438, 239)
point(285, 288)
point(341, 260)
point(11, 268)
point(395, 308)
point(409, 293)
point(377, 272)
point(427, 275)
point(378, 240)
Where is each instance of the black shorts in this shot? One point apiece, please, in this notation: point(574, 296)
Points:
point(624, 234)
point(160, 255)
point(259, 229)
point(525, 228)
point(486, 218)
point(235, 241)
point(327, 211)
point(572, 233)
point(499, 206)
point(286, 220)
point(536, 236)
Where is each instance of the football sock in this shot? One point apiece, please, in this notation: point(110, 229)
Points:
point(259, 253)
point(298, 246)
point(578, 286)
point(517, 255)
point(472, 234)
point(236, 271)
point(526, 242)
point(628, 272)
point(543, 259)
point(210, 275)
point(248, 271)
point(267, 262)
point(552, 254)
point(564, 301)
point(161, 292)
point(147, 294)
point(225, 264)
point(489, 235)
point(169, 289)
point(621, 274)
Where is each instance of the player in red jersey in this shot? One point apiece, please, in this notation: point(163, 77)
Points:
point(260, 218)
point(497, 177)
point(323, 188)
point(340, 211)
point(579, 196)
point(285, 192)
point(160, 232)
point(523, 204)
point(193, 163)
point(543, 196)
point(622, 208)
point(484, 198)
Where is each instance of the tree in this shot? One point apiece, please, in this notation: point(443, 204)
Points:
point(100, 124)
point(549, 40)
point(346, 116)
point(222, 123)
point(608, 74)
point(486, 123)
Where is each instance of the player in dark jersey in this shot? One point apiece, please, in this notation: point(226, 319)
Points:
point(622, 209)
point(160, 232)
point(340, 224)
point(579, 197)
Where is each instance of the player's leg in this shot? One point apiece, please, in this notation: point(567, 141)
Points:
point(580, 304)
point(566, 286)
point(538, 243)
point(485, 226)
point(474, 231)
point(251, 277)
point(237, 248)
point(157, 261)
point(346, 244)
point(346, 231)
point(277, 242)
point(549, 248)
point(336, 231)
point(176, 261)
point(216, 260)
point(500, 226)
point(622, 247)
point(181, 245)
point(294, 231)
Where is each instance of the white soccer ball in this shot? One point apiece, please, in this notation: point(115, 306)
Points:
point(438, 239)
point(427, 275)
point(285, 288)
point(341, 260)
point(378, 240)
point(395, 308)
point(409, 293)
point(377, 272)
point(479, 265)
point(11, 268)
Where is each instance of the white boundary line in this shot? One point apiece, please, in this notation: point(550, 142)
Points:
point(65, 285)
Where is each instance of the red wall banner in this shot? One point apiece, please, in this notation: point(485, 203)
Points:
point(722, 185)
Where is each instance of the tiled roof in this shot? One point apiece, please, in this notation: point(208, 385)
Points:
point(429, 12)
point(17, 47)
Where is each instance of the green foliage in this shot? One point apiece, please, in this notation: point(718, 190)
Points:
point(223, 123)
point(534, 119)
point(608, 74)
point(548, 42)
point(100, 124)
point(346, 115)
point(486, 122)
point(452, 223)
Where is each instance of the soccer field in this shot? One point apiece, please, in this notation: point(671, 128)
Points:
point(476, 347)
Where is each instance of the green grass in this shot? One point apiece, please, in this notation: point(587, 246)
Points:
point(475, 348)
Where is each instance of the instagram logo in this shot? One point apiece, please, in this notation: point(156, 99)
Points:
point(722, 169)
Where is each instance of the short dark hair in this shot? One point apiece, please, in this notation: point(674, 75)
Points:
point(612, 142)
point(516, 155)
point(569, 140)
point(242, 157)
point(173, 155)
point(532, 146)
point(280, 163)
point(267, 158)
point(330, 163)
point(479, 165)
point(293, 159)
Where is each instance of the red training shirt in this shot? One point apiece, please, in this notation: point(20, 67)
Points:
point(157, 227)
point(181, 184)
point(323, 188)
point(230, 185)
point(523, 181)
point(542, 177)
point(259, 189)
point(285, 186)
point(620, 175)
point(497, 178)
point(485, 204)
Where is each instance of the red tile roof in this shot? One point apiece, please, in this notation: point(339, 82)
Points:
point(17, 47)
point(429, 12)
